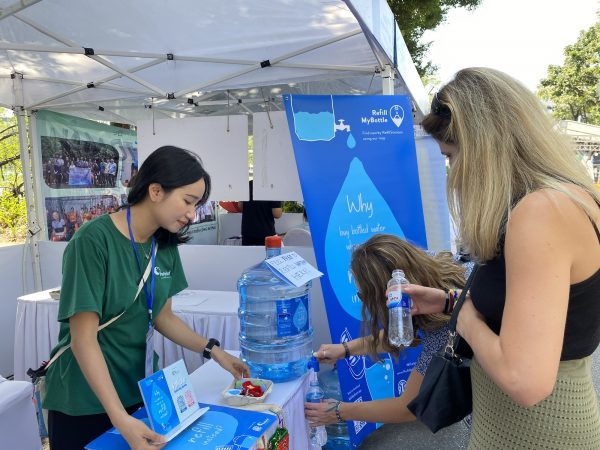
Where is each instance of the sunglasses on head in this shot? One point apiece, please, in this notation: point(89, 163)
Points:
point(439, 109)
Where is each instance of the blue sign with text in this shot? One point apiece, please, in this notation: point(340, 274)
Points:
point(357, 165)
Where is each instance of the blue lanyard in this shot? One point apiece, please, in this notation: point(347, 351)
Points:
point(149, 296)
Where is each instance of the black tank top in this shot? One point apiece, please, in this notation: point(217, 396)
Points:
point(582, 329)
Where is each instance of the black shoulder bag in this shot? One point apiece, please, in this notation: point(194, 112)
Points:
point(445, 394)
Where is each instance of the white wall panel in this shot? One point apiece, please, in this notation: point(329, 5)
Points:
point(275, 172)
point(224, 153)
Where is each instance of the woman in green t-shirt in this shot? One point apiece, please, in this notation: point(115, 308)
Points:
point(93, 385)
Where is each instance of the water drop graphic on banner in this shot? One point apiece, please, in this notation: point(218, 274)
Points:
point(358, 213)
point(380, 379)
point(161, 408)
point(351, 142)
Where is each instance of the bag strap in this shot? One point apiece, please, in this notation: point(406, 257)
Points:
point(454, 338)
point(114, 319)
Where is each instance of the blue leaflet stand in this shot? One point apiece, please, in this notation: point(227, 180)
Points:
point(170, 400)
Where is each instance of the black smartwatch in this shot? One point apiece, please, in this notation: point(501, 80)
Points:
point(208, 349)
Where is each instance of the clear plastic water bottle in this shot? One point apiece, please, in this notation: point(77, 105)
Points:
point(276, 335)
point(400, 329)
point(317, 436)
point(337, 433)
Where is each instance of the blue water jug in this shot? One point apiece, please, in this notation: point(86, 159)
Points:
point(275, 329)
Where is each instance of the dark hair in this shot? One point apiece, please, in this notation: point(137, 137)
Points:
point(171, 167)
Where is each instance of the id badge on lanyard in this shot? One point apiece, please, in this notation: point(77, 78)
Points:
point(149, 293)
point(149, 367)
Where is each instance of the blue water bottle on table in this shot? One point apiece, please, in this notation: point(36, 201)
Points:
point(317, 436)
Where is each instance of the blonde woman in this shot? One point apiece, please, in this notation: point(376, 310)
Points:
point(529, 212)
point(372, 264)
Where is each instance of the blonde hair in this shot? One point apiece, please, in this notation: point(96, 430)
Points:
point(372, 265)
point(507, 148)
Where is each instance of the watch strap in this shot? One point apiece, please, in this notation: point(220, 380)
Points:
point(208, 349)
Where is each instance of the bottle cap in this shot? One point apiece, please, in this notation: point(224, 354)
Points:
point(313, 363)
point(273, 241)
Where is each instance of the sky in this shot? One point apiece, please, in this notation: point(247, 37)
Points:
point(519, 37)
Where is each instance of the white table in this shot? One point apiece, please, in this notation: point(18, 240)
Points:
point(18, 422)
point(210, 380)
point(208, 313)
point(212, 314)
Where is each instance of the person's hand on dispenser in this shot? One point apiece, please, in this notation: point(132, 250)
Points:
point(230, 363)
point(330, 353)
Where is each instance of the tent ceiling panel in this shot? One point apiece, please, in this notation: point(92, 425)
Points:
point(216, 46)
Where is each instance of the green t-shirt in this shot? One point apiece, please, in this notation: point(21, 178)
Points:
point(100, 274)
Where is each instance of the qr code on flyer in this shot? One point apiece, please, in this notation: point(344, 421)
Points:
point(189, 398)
point(181, 403)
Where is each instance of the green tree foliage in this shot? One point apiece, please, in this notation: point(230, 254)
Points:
point(572, 87)
point(414, 17)
point(13, 211)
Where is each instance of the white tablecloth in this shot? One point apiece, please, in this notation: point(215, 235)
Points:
point(210, 380)
point(212, 314)
point(208, 313)
point(18, 422)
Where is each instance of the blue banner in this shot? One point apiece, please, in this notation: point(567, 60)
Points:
point(357, 164)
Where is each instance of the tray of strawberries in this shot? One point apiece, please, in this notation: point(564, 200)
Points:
point(246, 391)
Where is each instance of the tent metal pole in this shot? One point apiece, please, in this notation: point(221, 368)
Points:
point(38, 175)
point(32, 221)
point(104, 80)
point(81, 84)
point(16, 7)
point(387, 80)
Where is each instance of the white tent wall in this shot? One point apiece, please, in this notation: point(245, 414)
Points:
point(432, 180)
point(16, 279)
point(203, 267)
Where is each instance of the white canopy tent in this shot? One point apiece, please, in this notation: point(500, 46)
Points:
point(112, 60)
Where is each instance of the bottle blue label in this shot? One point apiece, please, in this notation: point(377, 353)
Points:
point(314, 397)
point(292, 316)
point(405, 301)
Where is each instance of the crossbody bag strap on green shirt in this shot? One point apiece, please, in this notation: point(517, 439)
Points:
point(104, 325)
